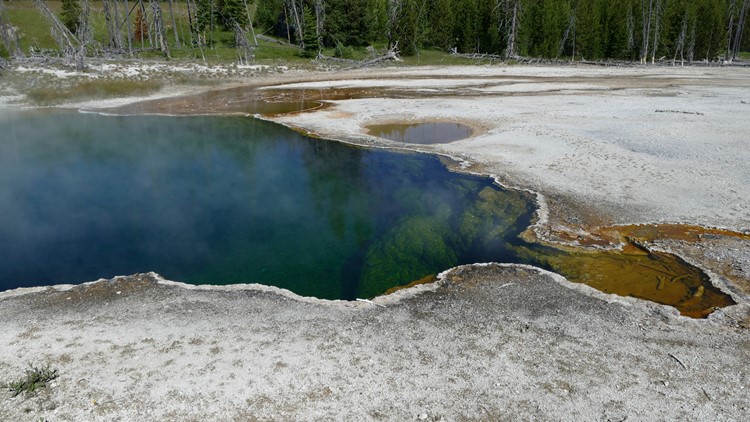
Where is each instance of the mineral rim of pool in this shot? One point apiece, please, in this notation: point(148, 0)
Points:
point(226, 200)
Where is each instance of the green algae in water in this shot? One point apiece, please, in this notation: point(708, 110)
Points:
point(226, 200)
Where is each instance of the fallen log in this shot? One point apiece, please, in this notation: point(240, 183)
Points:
point(273, 40)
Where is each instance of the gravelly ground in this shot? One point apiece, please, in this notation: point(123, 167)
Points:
point(475, 348)
point(487, 343)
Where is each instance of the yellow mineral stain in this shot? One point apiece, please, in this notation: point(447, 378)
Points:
point(636, 272)
point(651, 232)
point(424, 280)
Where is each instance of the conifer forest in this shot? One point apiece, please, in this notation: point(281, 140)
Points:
point(644, 31)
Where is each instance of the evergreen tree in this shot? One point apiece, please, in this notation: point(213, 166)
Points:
point(588, 29)
point(441, 32)
point(531, 37)
point(347, 22)
point(377, 15)
point(488, 37)
point(467, 25)
point(231, 11)
point(269, 14)
point(71, 15)
point(591, 29)
point(710, 31)
point(310, 43)
point(205, 14)
point(559, 18)
point(615, 36)
point(404, 25)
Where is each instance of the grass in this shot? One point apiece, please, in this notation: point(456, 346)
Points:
point(745, 55)
point(91, 90)
point(35, 378)
point(34, 33)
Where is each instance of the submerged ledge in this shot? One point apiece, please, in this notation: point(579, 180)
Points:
point(540, 212)
point(540, 227)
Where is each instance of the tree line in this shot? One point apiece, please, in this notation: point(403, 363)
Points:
point(641, 30)
point(636, 30)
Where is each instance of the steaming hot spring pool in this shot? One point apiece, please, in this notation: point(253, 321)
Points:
point(227, 200)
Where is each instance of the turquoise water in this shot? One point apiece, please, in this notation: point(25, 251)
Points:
point(223, 200)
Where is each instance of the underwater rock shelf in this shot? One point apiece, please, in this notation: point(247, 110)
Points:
point(225, 200)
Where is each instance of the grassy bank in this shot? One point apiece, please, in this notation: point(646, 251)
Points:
point(34, 36)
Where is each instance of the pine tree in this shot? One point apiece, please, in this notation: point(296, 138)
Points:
point(346, 22)
point(205, 14)
point(442, 25)
point(232, 11)
point(71, 15)
point(311, 45)
point(467, 20)
point(268, 13)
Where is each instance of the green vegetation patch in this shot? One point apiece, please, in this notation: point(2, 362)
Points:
point(35, 378)
point(418, 246)
point(91, 90)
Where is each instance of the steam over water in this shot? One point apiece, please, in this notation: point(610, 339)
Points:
point(226, 200)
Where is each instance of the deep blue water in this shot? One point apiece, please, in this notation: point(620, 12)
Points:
point(224, 200)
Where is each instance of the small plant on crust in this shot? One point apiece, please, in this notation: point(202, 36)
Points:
point(36, 377)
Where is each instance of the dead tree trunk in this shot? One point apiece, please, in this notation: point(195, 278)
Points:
point(68, 43)
point(211, 24)
point(512, 11)
point(657, 30)
point(195, 33)
point(112, 25)
point(731, 10)
point(691, 44)
point(130, 31)
point(292, 4)
point(319, 18)
point(143, 33)
point(159, 30)
point(174, 26)
point(680, 44)
point(244, 50)
point(740, 29)
point(631, 31)
point(566, 34)
point(8, 34)
point(116, 25)
point(394, 11)
point(152, 37)
point(646, 13)
point(85, 33)
point(191, 24)
point(286, 21)
point(250, 22)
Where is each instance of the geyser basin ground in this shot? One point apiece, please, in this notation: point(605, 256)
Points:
point(490, 343)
